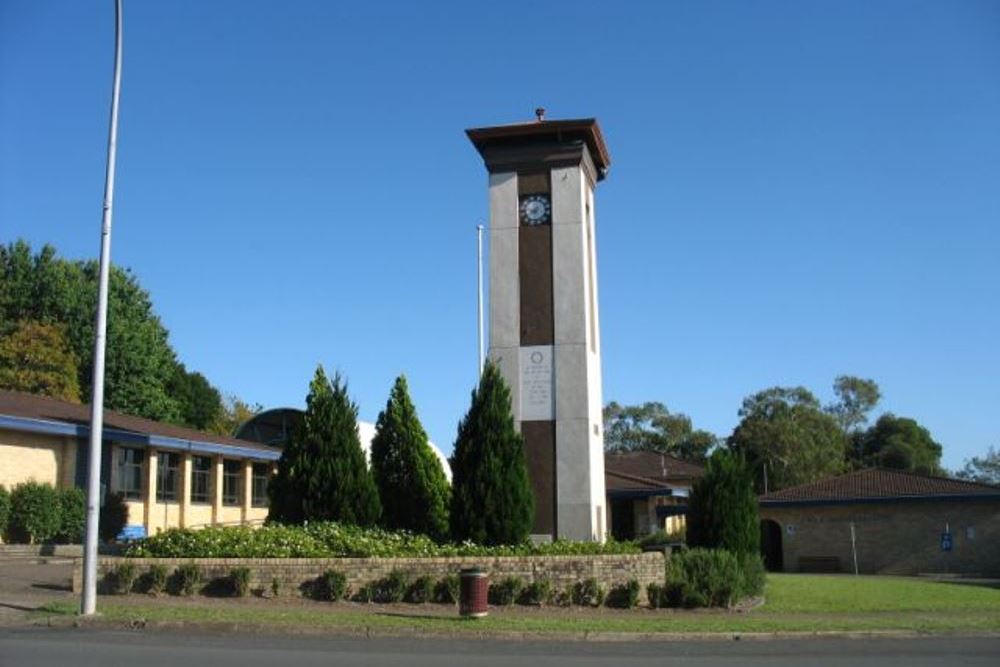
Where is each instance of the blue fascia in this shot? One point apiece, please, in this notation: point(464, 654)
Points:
point(962, 497)
point(638, 494)
point(147, 439)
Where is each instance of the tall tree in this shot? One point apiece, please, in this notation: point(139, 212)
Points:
point(652, 427)
point(235, 412)
point(856, 397)
point(322, 474)
point(984, 469)
point(36, 358)
point(784, 434)
point(900, 443)
point(491, 501)
point(411, 483)
point(722, 509)
point(200, 403)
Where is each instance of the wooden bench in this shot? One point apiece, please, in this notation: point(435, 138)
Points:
point(819, 564)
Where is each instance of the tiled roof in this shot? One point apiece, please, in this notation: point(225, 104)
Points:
point(653, 466)
point(30, 406)
point(617, 481)
point(879, 483)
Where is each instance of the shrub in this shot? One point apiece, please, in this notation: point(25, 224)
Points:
point(114, 517)
point(36, 513)
point(275, 587)
point(703, 578)
point(662, 537)
point(392, 588)
point(154, 581)
point(239, 581)
point(421, 590)
point(4, 511)
point(506, 591)
point(448, 589)
point(564, 597)
point(655, 596)
point(752, 575)
point(588, 593)
point(537, 593)
point(73, 519)
point(722, 509)
point(123, 578)
point(331, 585)
point(624, 596)
point(187, 578)
point(368, 592)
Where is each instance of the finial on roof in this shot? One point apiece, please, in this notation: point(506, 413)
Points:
point(540, 114)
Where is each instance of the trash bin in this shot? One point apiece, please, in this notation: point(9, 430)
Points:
point(474, 586)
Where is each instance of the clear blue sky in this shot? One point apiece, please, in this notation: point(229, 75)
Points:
point(798, 189)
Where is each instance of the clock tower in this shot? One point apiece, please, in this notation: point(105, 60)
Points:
point(543, 324)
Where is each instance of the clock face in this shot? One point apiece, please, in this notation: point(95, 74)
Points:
point(535, 210)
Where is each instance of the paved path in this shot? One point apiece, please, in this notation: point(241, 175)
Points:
point(42, 647)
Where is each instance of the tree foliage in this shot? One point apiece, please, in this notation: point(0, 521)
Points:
point(784, 430)
point(492, 502)
point(141, 370)
point(199, 402)
point(322, 474)
point(722, 509)
point(36, 358)
point(900, 443)
point(982, 469)
point(856, 397)
point(652, 427)
point(412, 486)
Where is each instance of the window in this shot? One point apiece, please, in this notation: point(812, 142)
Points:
point(232, 482)
point(168, 465)
point(261, 474)
point(201, 479)
point(129, 471)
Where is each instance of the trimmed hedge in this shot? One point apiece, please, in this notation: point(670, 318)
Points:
point(36, 513)
point(73, 515)
point(335, 540)
point(4, 511)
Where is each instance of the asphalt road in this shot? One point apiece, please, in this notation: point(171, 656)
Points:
point(41, 647)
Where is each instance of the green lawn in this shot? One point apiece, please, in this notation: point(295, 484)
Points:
point(795, 603)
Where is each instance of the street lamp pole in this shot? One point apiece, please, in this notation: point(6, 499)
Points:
point(88, 605)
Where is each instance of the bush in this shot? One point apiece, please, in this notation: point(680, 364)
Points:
point(36, 513)
point(155, 580)
point(275, 587)
point(703, 578)
point(392, 588)
point(722, 508)
point(448, 589)
point(753, 575)
point(421, 590)
point(239, 581)
point(537, 593)
point(4, 511)
point(662, 537)
point(114, 517)
point(73, 519)
point(624, 596)
point(331, 585)
point(564, 597)
point(506, 591)
point(655, 596)
point(336, 540)
point(588, 593)
point(187, 578)
point(123, 578)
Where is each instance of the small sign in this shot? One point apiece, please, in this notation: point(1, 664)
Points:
point(790, 529)
point(945, 541)
point(537, 383)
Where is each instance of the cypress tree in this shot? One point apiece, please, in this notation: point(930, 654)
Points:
point(411, 483)
point(491, 501)
point(322, 475)
point(722, 509)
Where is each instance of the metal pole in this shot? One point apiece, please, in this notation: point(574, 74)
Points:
point(854, 549)
point(479, 270)
point(89, 603)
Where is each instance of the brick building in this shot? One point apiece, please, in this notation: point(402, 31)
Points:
point(647, 492)
point(903, 523)
point(170, 475)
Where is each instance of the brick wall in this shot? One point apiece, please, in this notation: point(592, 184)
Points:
point(893, 538)
point(562, 571)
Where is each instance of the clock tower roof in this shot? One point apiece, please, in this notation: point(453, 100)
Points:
point(504, 146)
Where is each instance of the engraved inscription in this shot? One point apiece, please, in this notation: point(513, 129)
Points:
point(537, 395)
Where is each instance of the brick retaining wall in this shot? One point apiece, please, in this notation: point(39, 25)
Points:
point(291, 573)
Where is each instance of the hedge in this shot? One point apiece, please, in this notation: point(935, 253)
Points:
point(35, 513)
point(708, 578)
point(335, 540)
point(4, 511)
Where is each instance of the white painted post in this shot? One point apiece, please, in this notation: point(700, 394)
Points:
point(479, 287)
point(854, 549)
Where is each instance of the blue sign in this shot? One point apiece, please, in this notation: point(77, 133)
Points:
point(945, 541)
point(132, 532)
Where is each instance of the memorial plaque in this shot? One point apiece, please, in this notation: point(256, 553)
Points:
point(537, 383)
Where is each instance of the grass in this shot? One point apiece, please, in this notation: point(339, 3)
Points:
point(796, 603)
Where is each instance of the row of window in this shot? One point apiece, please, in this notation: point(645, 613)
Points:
point(168, 478)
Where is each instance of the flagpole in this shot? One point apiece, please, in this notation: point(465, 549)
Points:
point(479, 286)
point(88, 604)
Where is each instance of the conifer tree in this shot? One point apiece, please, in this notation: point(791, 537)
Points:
point(722, 509)
point(411, 483)
point(491, 500)
point(322, 475)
